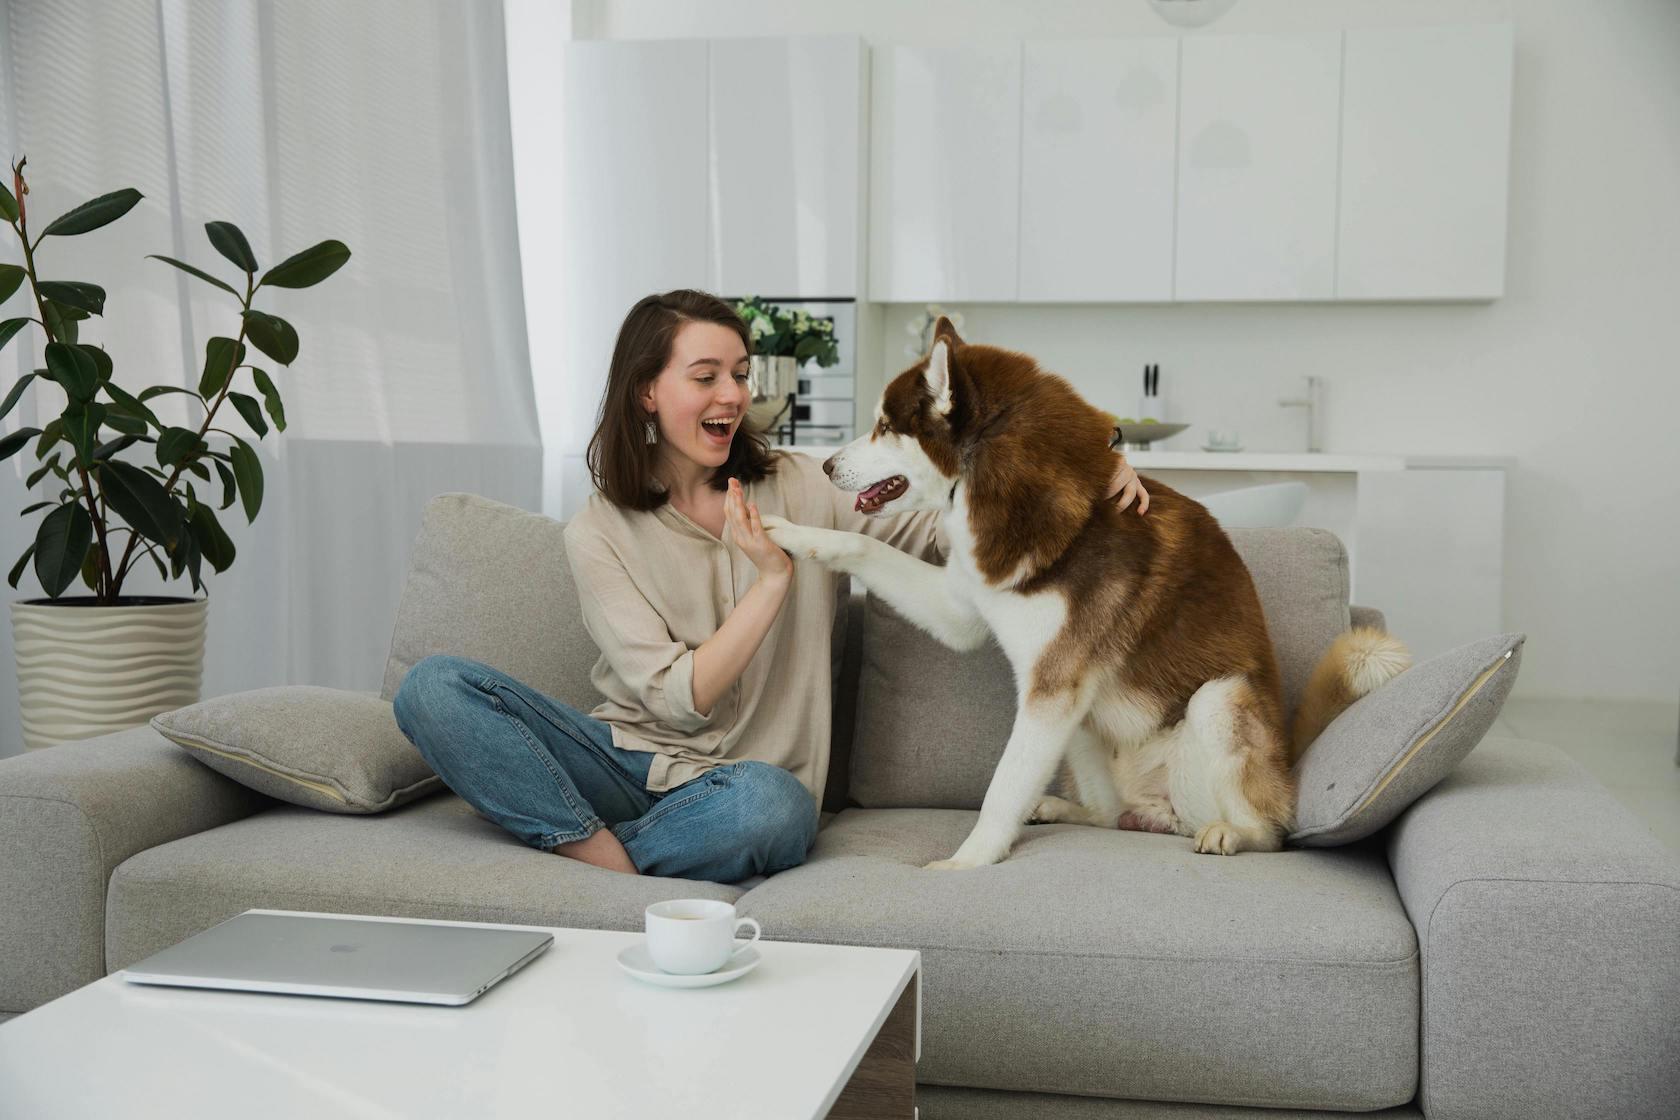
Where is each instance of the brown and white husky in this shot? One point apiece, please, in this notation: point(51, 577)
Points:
point(1139, 650)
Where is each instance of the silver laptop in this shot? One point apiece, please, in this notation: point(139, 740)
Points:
point(351, 958)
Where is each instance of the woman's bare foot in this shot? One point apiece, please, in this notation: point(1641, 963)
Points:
point(599, 850)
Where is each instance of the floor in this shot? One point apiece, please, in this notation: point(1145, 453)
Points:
point(1627, 745)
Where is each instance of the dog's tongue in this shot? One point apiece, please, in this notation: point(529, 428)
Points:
point(873, 491)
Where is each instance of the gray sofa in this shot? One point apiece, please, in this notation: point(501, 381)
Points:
point(1507, 948)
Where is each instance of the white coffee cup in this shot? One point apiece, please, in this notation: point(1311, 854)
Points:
point(690, 936)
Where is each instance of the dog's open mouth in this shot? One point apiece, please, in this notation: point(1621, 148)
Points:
point(874, 497)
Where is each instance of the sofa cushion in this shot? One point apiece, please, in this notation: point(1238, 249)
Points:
point(1122, 964)
point(931, 722)
point(490, 582)
point(322, 748)
point(1393, 745)
point(435, 858)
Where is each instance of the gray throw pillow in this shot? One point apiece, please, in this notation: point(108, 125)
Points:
point(1392, 746)
point(322, 748)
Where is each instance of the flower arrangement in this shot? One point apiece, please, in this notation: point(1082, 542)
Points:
point(778, 332)
point(921, 328)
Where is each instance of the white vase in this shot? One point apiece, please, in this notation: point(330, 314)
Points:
point(86, 670)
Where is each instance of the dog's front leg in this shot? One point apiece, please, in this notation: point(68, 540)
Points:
point(919, 591)
point(1036, 745)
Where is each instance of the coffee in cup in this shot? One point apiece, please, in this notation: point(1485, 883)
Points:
point(691, 936)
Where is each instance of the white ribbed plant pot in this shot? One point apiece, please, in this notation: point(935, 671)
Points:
point(86, 670)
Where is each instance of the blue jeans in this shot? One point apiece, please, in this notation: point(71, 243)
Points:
point(550, 774)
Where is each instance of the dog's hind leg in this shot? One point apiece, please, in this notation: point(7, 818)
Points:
point(1229, 778)
point(1089, 762)
point(1036, 747)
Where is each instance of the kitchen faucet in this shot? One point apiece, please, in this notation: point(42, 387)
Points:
point(1313, 402)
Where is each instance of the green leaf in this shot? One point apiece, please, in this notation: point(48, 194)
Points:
point(101, 360)
point(90, 568)
point(271, 397)
point(185, 557)
point(200, 273)
point(8, 211)
point(247, 470)
point(42, 471)
point(159, 390)
point(11, 278)
point(51, 434)
point(17, 569)
point(16, 393)
point(309, 267)
point(176, 444)
point(9, 444)
point(200, 470)
point(74, 293)
point(212, 541)
point(111, 447)
point(230, 243)
point(141, 501)
point(60, 544)
point(89, 216)
point(29, 509)
point(122, 402)
point(272, 335)
point(251, 411)
point(61, 320)
point(228, 488)
point(71, 367)
point(9, 328)
point(127, 425)
point(221, 355)
point(81, 429)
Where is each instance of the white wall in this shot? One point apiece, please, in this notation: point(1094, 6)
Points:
point(1593, 298)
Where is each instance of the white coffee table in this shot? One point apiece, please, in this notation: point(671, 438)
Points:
point(813, 1031)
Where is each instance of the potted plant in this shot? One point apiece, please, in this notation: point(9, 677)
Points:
point(88, 664)
point(783, 341)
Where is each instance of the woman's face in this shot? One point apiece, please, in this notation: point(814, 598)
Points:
point(705, 380)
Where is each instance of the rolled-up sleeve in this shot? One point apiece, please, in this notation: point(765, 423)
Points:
point(655, 667)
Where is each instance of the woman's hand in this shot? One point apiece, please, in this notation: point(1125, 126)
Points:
point(750, 536)
point(1126, 482)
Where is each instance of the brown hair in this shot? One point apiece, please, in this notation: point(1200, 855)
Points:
point(621, 461)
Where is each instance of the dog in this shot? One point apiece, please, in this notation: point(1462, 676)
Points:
point(1139, 650)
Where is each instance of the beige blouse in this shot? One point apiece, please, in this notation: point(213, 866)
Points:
point(654, 585)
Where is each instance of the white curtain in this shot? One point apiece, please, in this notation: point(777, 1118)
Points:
point(381, 124)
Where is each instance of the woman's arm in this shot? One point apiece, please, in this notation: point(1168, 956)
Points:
point(721, 659)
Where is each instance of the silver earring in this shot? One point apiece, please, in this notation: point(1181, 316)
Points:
point(652, 431)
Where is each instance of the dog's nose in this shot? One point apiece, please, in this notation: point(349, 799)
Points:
point(828, 466)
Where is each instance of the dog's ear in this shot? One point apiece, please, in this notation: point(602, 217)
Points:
point(943, 329)
point(937, 375)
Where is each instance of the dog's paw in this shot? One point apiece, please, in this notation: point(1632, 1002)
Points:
point(1055, 810)
point(1148, 820)
point(804, 542)
point(1218, 839)
point(947, 865)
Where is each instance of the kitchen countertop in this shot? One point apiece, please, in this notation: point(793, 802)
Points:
point(1286, 462)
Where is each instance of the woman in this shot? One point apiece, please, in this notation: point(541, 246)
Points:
point(708, 756)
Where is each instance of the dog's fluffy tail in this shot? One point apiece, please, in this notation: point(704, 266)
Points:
point(1356, 664)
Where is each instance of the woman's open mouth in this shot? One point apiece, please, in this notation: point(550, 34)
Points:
point(874, 497)
point(719, 431)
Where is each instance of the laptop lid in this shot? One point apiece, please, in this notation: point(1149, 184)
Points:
point(346, 957)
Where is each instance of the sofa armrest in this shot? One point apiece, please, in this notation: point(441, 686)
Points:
point(1366, 616)
point(1547, 920)
point(68, 816)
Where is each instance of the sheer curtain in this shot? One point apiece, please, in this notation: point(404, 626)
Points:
point(381, 124)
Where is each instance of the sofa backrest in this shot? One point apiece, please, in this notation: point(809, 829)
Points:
point(915, 724)
point(931, 723)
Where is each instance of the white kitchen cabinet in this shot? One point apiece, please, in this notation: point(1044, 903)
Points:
point(786, 189)
point(1099, 121)
point(1426, 140)
point(944, 200)
point(1257, 164)
point(634, 197)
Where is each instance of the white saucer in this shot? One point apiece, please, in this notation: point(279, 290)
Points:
point(636, 961)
